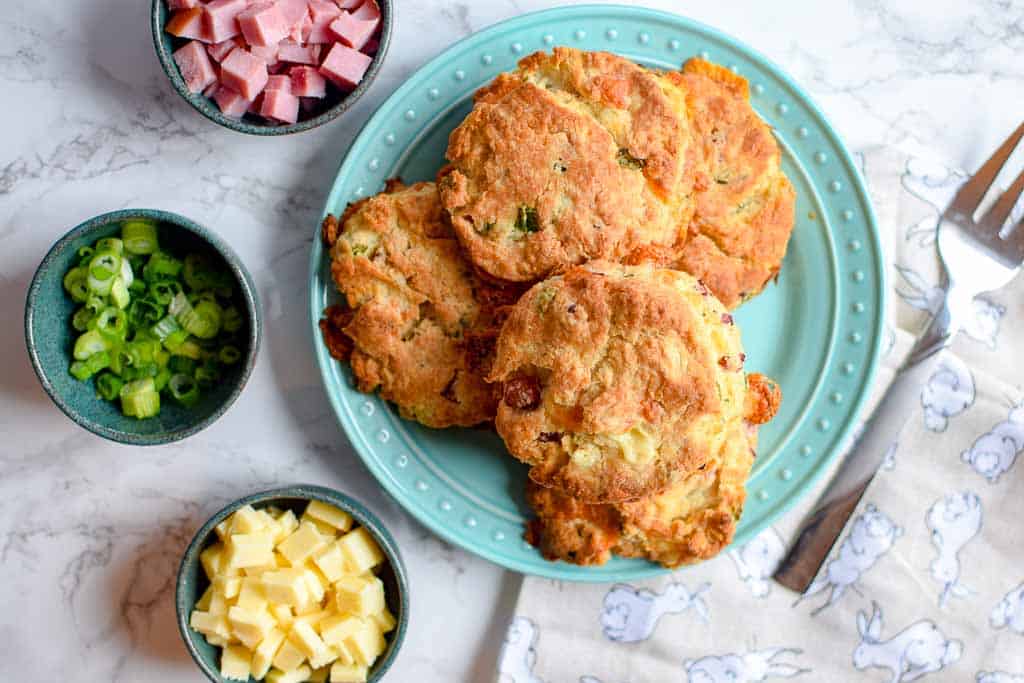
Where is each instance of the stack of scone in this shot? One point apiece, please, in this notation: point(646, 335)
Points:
point(569, 278)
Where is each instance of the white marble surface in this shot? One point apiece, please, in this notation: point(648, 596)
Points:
point(91, 532)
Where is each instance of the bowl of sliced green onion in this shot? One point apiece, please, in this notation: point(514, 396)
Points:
point(142, 326)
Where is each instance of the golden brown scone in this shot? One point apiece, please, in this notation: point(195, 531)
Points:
point(575, 156)
point(413, 303)
point(691, 521)
point(617, 381)
point(744, 203)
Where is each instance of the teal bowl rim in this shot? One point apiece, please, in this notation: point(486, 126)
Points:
point(206, 106)
point(247, 289)
point(560, 570)
point(362, 515)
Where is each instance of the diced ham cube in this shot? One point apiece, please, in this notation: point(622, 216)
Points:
point(344, 66)
point(254, 106)
point(230, 102)
point(188, 23)
point(280, 106)
point(268, 53)
point(195, 66)
point(280, 82)
point(371, 47)
point(211, 89)
point(263, 24)
point(348, 4)
point(299, 54)
point(220, 19)
point(353, 32)
point(300, 31)
point(181, 4)
point(243, 73)
point(321, 34)
point(322, 11)
point(218, 51)
point(307, 82)
point(293, 10)
point(368, 11)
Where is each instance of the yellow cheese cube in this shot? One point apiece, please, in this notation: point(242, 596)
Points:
point(348, 673)
point(335, 629)
point(246, 520)
point(287, 521)
point(218, 604)
point(217, 641)
point(289, 656)
point(263, 655)
point(286, 586)
point(330, 562)
point(250, 550)
point(251, 595)
point(366, 643)
point(234, 663)
point(320, 675)
point(203, 605)
point(327, 513)
point(211, 560)
point(313, 618)
point(357, 595)
point(301, 544)
point(385, 620)
point(250, 627)
point(258, 571)
point(360, 550)
point(228, 586)
point(223, 529)
point(317, 588)
point(210, 624)
point(306, 638)
point(325, 529)
point(283, 614)
point(296, 675)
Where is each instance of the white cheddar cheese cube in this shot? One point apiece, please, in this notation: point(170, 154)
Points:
point(217, 641)
point(247, 520)
point(289, 656)
point(366, 643)
point(348, 673)
point(234, 663)
point(218, 604)
point(330, 562)
point(306, 638)
point(329, 514)
point(360, 550)
point(211, 560)
point(325, 529)
point(203, 605)
point(286, 586)
point(250, 627)
point(210, 624)
point(315, 585)
point(301, 544)
point(296, 675)
point(358, 595)
point(320, 675)
point(313, 618)
point(284, 615)
point(223, 530)
point(263, 655)
point(251, 595)
point(250, 550)
point(228, 586)
point(335, 629)
point(385, 620)
point(288, 522)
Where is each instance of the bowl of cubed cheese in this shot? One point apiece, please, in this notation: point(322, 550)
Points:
point(271, 67)
point(294, 584)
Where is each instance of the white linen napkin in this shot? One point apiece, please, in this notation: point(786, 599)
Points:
point(928, 579)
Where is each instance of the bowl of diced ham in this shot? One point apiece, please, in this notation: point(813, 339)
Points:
point(271, 67)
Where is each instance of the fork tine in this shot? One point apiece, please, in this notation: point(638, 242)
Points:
point(1000, 211)
point(1016, 238)
point(970, 195)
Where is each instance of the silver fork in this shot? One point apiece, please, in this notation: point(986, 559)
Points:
point(976, 258)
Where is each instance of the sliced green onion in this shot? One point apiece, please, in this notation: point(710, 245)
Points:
point(164, 291)
point(202, 321)
point(139, 236)
point(119, 294)
point(181, 365)
point(232, 319)
point(85, 255)
point(102, 269)
point(140, 398)
point(126, 273)
point(137, 287)
point(137, 263)
point(89, 343)
point(229, 355)
point(83, 316)
point(161, 266)
point(144, 313)
point(108, 386)
point(112, 323)
point(84, 369)
point(167, 326)
point(76, 283)
point(184, 389)
point(199, 273)
point(111, 244)
point(161, 379)
point(207, 375)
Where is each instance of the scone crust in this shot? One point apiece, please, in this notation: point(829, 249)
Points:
point(568, 529)
point(413, 303)
point(635, 374)
point(587, 152)
point(745, 204)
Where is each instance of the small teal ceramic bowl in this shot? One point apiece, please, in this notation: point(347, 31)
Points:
point(337, 103)
point(49, 335)
point(192, 581)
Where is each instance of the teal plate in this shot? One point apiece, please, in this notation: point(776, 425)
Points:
point(817, 331)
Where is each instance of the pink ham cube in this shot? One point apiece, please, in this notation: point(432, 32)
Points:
point(299, 54)
point(300, 31)
point(322, 11)
point(344, 66)
point(243, 73)
point(181, 4)
point(195, 66)
point(294, 11)
point(307, 82)
point(268, 53)
point(348, 4)
point(211, 89)
point(187, 23)
point(279, 82)
point(353, 32)
point(220, 19)
point(218, 51)
point(281, 106)
point(263, 24)
point(368, 11)
point(230, 102)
